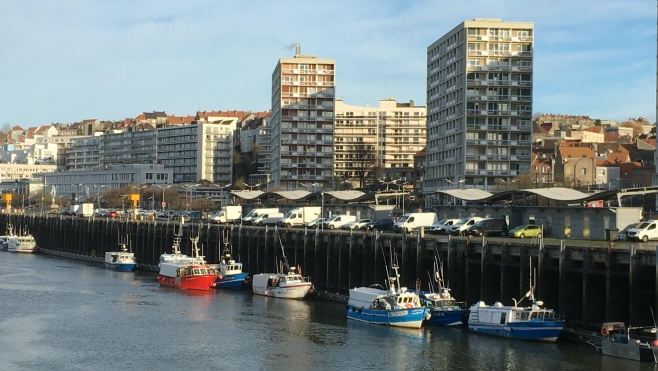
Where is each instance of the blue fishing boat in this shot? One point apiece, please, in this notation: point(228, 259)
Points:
point(122, 260)
point(529, 323)
point(393, 307)
point(230, 275)
point(445, 310)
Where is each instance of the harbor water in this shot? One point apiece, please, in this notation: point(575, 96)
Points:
point(59, 314)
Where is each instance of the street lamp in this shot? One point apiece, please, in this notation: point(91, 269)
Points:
point(98, 193)
point(309, 186)
point(163, 203)
point(188, 201)
point(394, 181)
point(251, 186)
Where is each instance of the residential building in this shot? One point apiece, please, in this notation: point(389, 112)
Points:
point(479, 104)
point(302, 133)
point(377, 142)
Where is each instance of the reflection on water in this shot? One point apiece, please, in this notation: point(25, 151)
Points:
point(67, 315)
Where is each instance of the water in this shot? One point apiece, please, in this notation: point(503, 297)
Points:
point(58, 314)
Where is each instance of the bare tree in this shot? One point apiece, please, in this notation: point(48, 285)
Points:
point(363, 164)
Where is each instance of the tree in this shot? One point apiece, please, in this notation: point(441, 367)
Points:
point(363, 164)
point(637, 127)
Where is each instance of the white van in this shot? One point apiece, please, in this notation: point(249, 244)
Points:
point(645, 231)
point(338, 221)
point(267, 219)
point(411, 221)
point(255, 213)
point(464, 224)
point(443, 226)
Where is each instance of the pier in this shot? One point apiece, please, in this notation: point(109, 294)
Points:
point(589, 282)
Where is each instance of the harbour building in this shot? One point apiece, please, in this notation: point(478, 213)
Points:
point(302, 132)
point(479, 105)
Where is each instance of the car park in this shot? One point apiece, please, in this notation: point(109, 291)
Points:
point(528, 230)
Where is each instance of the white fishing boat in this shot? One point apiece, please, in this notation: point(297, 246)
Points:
point(393, 307)
point(22, 242)
point(287, 282)
point(529, 323)
point(122, 260)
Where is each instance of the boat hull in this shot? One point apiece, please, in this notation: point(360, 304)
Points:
point(632, 350)
point(531, 330)
point(409, 318)
point(199, 282)
point(442, 317)
point(295, 291)
point(233, 281)
point(122, 267)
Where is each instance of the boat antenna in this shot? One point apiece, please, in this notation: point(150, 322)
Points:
point(653, 317)
point(388, 276)
point(285, 267)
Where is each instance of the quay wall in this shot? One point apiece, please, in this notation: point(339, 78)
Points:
point(589, 282)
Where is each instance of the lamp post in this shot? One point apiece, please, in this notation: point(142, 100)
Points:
point(251, 186)
point(98, 193)
point(123, 204)
point(163, 203)
point(394, 181)
point(187, 188)
point(309, 186)
point(612, 184)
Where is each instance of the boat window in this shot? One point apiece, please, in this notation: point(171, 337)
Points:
point(533, 315)
point(196, 271)
point(502, 318)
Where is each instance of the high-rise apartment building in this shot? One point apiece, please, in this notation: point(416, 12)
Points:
point(479, 105)
point(377, 142)
point(302, 133)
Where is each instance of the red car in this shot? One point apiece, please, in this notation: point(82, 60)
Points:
point(112, 214)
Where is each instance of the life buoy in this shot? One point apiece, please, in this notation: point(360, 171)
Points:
point(605, 331)
point(408, 305)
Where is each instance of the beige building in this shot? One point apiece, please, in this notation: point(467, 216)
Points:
point(479, 104)
point(377, 142)
point(302, 132)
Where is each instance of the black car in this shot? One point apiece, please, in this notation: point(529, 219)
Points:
point(379, 224)
point(488, 227)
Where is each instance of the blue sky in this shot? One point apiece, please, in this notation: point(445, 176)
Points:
point(66, 61)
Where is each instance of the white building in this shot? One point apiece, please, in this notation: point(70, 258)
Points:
point(479, 104)
point(377, 142)
point(302, 134)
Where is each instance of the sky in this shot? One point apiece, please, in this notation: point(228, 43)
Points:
point(69, 60)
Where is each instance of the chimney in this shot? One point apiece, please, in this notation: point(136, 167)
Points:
point(298, 50)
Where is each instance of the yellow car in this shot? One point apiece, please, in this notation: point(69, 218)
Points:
point(528, 230)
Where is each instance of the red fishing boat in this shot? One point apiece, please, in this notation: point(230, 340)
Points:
point(188, 274)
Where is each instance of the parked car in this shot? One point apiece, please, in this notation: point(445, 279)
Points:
point(315, 223)
point(356, 224)
point(528, 230)
point(623, 234)
point(380, 224)
point(488, 227)
point(645, 231)
point(443, 226)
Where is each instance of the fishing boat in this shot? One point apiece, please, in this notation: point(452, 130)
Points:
point(175, 255)
point(445, 310)
point(122, 260)
point(230, 275)
point(529, 323)
point(4, 239)
point(22, 242)
point(287, 283)
point(395, 306)
point(187, 273)
point(634, 343)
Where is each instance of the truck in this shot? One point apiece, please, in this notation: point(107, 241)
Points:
point(71, 210)
point(253, 214)
point(86, 210)
point(227, 214)
point(338, 221)
point(411, 221)
point(299, 216)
